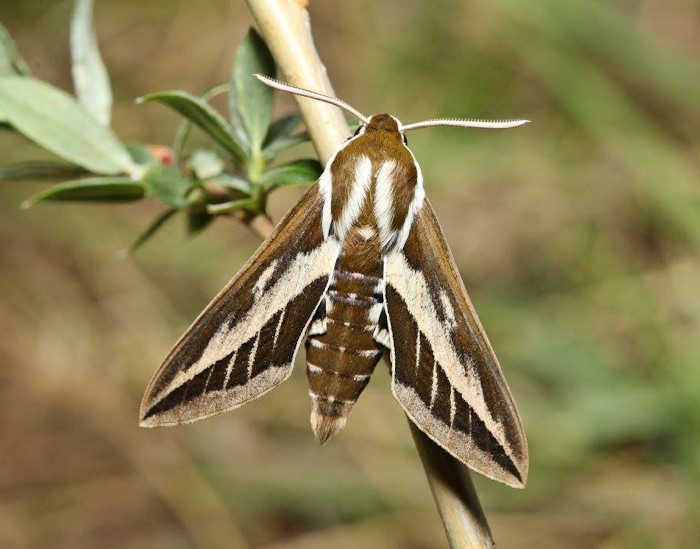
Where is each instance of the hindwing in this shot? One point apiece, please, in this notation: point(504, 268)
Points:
point(444, 371)
point(244, 343)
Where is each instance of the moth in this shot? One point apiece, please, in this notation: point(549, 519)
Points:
point(359, 269)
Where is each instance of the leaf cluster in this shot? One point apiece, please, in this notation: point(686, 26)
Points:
point(235, 175)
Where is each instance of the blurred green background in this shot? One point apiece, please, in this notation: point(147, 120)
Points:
point(577, 237)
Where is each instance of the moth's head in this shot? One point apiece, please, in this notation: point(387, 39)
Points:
point(386, 122)
point(383, 122)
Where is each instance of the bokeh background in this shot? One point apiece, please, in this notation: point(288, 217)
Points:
point(577, 237)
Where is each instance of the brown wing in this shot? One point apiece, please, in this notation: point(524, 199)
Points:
point(445, 373)
point(245, 341)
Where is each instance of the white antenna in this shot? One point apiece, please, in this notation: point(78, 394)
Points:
point(313, 95)
point(489, 124)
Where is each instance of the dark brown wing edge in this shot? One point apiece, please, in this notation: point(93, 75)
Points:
point(445, 373)
point(244, 343)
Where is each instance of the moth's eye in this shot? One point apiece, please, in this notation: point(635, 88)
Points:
point(357, 131)
point(405, 141)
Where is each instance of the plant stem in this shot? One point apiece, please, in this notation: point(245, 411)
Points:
point(455, 496)
point(285, 26)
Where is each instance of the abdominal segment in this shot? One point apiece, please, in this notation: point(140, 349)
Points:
point(341, 349)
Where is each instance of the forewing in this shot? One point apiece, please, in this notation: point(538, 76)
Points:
point(245, 341)
point(445, 373)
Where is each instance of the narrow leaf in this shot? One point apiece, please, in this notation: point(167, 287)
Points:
point(279, 136)
point(11, 62)
point(52, 119)
point(282, 128)
point(231, 181)
point(228, 207)
point(203, 115)
point(39, 170)
point(183, 130)
point(150, 231)
point(283, 143)
point(205, 164)
point(294, 173)
point(251, 99)
point(167, 184)
point(90, 76)
point(95, 189)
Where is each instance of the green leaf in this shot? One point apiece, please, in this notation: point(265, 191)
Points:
point(249, 204)
point(279, 136)
point(205, 164)
point(150, 231)
point(52, 119)
point(90, 76)
point(251, 100)
point(183, 130)
point(167, 184)
point(39, 170)
point(94, 189)
point(282, 128)
point(231, 181)
point(11, 62)
point(203, 115)
point(279, 145)
point(295, 173)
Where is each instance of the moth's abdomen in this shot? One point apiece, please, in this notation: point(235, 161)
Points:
point(341, 350)
point(370, 190)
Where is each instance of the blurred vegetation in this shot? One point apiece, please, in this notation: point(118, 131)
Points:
point(577, 237)
point(232, 177)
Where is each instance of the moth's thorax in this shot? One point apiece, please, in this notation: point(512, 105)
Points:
point(373, 186)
